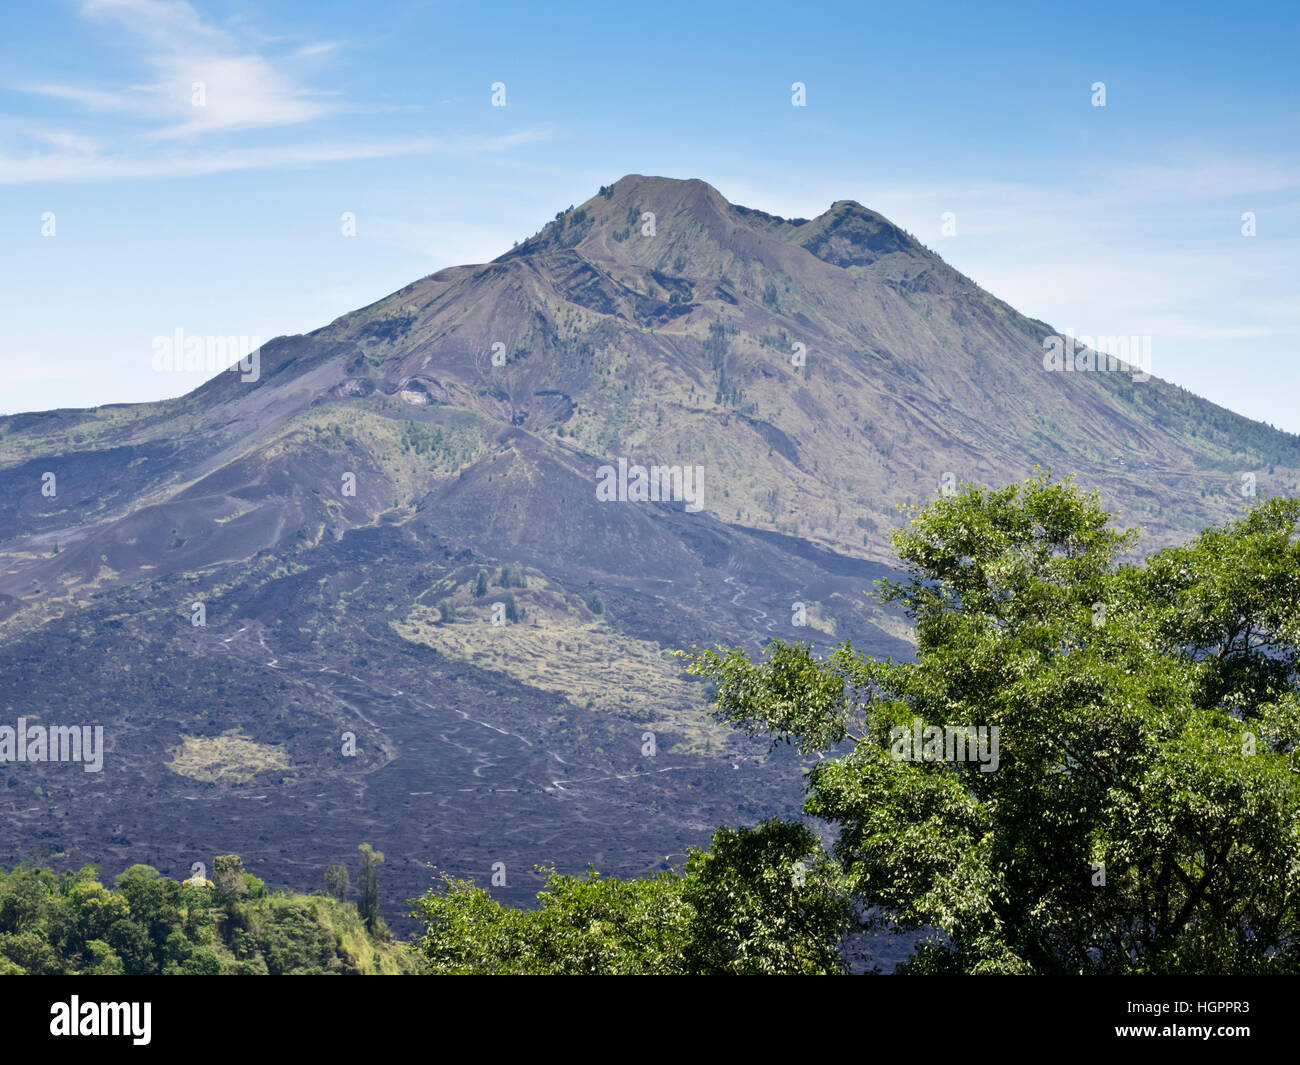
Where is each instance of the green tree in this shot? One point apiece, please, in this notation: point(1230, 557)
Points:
point(765, 900)
point(153, 901)
point(481, 584)
point(69, 923)
point(29, 952)
point(512, 577)
point(101, 960)
point(337, 884)
point(228, 878)
point(368, 886)
point(1142, 810)
point(584, 925)
point(762, 900)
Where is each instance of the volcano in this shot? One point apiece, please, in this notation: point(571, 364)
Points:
point(373, 590)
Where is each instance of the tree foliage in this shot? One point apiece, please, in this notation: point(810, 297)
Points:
point(368, 887)
point(1143, 815)
point(761, 900)
point(70, 923)
point(337, 883)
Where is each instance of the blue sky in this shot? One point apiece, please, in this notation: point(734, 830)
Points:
point(226, 218)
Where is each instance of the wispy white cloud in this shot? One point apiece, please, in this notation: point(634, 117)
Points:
point(319, 48)
point(202, 79)
point(83, 165)
point(68, 142)
point(201, 84)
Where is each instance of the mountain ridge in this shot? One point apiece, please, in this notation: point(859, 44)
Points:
point(562, 311)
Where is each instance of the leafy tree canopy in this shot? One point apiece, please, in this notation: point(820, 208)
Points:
point(1142, 815)
point(761, 900)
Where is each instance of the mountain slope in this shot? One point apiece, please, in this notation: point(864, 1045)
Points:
point(333, 516)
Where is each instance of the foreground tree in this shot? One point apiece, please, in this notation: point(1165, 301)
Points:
point(368, 889)
point(70, 923)
point(761, 900)
point(337, 883)
point(1134, 804)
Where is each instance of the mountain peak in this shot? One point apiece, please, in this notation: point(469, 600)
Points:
point(686, 227)
point(849, 234)
point(633, 184)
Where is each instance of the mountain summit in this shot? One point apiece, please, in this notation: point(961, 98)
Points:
point(825, 370)
point(394, 530)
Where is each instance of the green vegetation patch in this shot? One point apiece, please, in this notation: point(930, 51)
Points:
point(231, 758)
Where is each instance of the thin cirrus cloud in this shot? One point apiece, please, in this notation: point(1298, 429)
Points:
point(158, 128)
point(239, 92)
point(239, 88)
point(89, 165)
